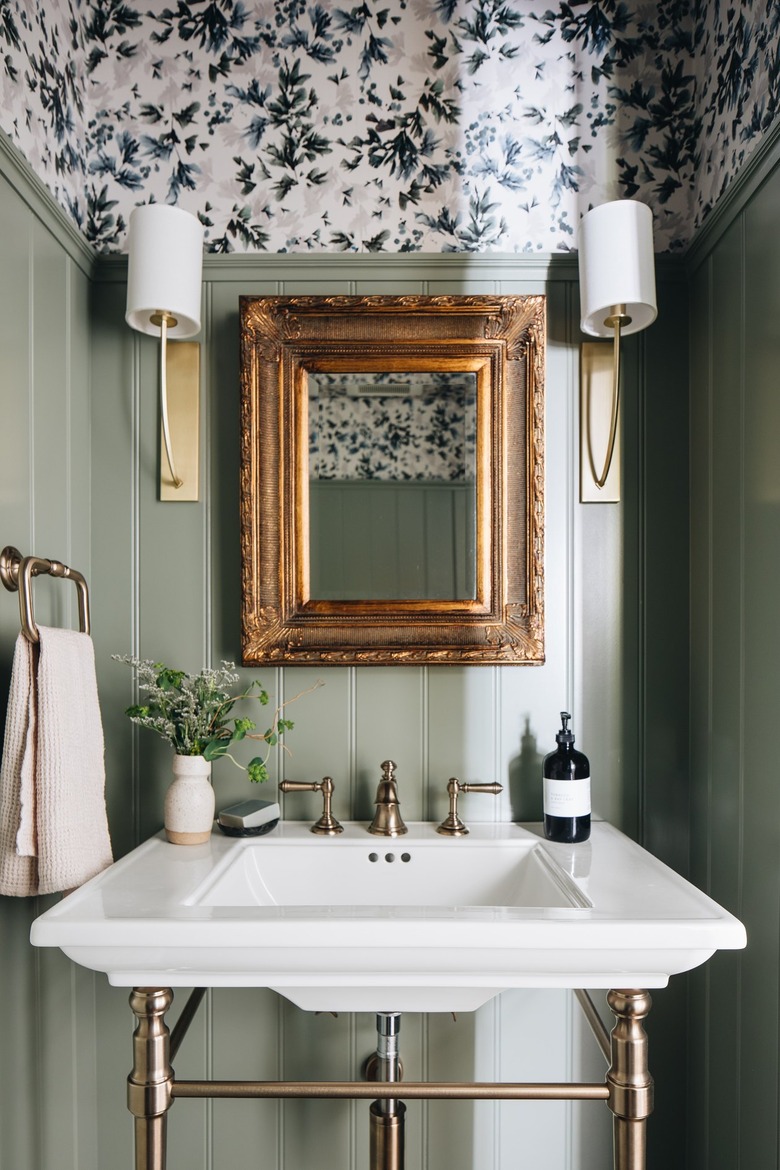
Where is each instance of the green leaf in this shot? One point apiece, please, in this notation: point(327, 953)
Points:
point(257, 770)
point(214, 749)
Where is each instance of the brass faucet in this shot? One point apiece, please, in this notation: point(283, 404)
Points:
point(452, 825)
point(387, 821)
point(327, 825)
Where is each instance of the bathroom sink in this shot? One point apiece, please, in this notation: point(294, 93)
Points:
point(402, 873)
point(417, 923)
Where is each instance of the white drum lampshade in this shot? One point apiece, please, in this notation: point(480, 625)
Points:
point(617, 267)
point(165, 265)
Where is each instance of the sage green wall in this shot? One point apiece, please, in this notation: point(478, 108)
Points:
point(44, 508)
point(166, 584)
point(735, 669)
point(79, 479)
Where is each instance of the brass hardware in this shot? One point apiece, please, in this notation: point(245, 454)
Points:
point(149, 1086)
point(386, 1141)
point(387, 821)
point(597, 1026)
point(596, 374)
point(412, 1090)
point(181, 1027)
point(180, 417)
point(616, 319)
point(16, 573)
point(628, 1079)
point(452, 825)
point(327, 825)
point(152, 1087)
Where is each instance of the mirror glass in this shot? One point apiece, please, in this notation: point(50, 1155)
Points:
point(392, 477)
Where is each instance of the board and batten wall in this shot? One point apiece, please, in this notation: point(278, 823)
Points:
point(164, 581)
point(47, 1085)
point(735, 668)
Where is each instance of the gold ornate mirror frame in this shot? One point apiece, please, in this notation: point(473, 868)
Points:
point(500, 339)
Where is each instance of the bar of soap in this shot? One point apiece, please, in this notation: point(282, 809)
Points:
point(250, 817)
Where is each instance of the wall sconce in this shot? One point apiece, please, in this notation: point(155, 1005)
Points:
point(617, 297)
point(165, 264)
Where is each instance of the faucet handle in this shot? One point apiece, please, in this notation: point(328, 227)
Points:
point(452, 825)
point(327, 825)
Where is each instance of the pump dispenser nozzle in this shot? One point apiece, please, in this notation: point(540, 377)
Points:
point(564, 735)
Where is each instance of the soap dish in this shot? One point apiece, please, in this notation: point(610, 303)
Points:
point(250, 818)
point(254, 831)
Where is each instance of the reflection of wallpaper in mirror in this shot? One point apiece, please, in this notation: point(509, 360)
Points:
point(399, 426)
point(392, 466)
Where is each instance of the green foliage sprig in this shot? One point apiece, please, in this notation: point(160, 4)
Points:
point(194, 712)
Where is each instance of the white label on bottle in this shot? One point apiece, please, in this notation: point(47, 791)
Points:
point(566, 798)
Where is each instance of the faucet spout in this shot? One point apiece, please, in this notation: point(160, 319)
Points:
point(387, 821)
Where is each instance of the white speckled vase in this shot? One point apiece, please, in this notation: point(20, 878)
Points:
point(189, 802)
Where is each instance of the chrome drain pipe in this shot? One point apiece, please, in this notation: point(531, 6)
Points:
point(387, 1114)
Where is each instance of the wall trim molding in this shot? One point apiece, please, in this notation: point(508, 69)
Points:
point(15, 168)
point(380, 266)
point(762, 162)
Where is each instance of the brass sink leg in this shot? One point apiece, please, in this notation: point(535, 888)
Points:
point(628, 1080)
point(149, 1086)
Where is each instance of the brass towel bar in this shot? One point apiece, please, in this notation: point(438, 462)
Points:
point(17, 572)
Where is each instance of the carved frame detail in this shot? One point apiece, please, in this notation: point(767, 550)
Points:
point(502, 340)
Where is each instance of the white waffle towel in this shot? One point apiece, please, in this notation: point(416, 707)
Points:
point(53, 826)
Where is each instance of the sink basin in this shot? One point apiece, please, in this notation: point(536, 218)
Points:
point(361, 923)
point(360, 871)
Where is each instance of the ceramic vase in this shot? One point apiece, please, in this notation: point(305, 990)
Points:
point(189, 802)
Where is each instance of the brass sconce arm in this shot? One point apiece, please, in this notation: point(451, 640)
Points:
point(452, 825)
point(164, 320)
point(327, 825)
point(617, 296)
point(617, 318)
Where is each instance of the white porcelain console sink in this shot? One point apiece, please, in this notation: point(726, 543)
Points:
point(362, 923)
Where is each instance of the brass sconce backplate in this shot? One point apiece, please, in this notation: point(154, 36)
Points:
point(183, 377)
point(595, 416)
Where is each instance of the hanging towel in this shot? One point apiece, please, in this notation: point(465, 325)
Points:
point(53, 825)
point(18, 871)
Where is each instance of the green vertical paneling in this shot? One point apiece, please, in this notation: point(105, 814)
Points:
point(697, 1143)
point(44, 491)
point(761, 649)
point(18, 966)
point(726, 780)
point(246, 1032)
point(663, 610)
point(165, 581)
point(390, 724)
point(115, 551)
point(735, 650)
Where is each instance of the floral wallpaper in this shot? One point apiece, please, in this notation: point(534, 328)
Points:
point(393, 427)
point(738, 90)
point(389, 125)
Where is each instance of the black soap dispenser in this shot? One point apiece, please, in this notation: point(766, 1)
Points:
point(566, 790)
